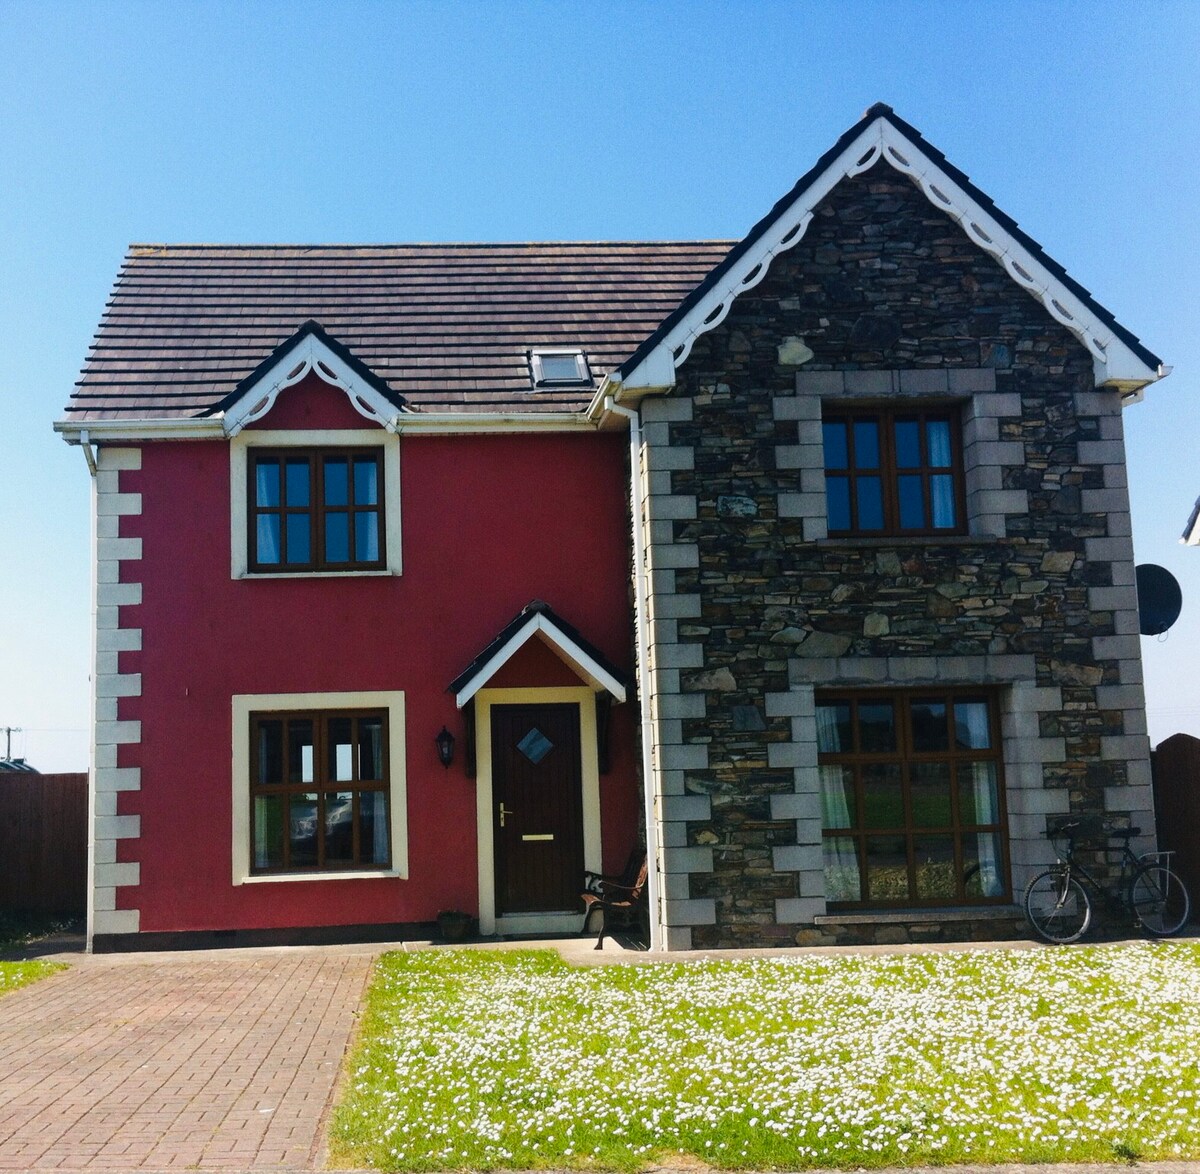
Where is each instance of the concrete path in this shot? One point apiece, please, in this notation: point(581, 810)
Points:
point(163, 1062)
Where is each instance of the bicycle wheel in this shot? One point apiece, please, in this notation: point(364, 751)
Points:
point(1159, 900)
point(1057, 906)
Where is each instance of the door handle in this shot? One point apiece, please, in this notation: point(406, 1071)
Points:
point(503, 813)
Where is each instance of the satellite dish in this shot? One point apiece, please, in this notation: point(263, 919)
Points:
point(1159, 599)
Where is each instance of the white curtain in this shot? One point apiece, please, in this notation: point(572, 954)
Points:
point(937, 435)
point(971, 725)
point(380, 841)
point(261, 858)
point(828, 735)
point(842, 879)
point(983, 784)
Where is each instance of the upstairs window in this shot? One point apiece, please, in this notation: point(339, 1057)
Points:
point(559, 368)
point(315, 510)
point(894, 471)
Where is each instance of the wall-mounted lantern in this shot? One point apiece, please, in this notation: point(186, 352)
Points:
point(445, 747)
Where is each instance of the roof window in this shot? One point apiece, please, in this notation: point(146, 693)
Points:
point(559, 368)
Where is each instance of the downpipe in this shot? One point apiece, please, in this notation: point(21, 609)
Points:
point(642, 631)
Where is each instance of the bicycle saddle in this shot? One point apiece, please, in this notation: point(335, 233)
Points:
point(1125, 833)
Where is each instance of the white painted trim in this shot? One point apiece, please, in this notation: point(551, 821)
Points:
point(645, 685)
point(1114, 363)
point(108, 431)
point(244, 704)
point(589, 775)
point(309, 355)
point(312, 438)
point(333, 875)
point(448, 423)
point(416, 422)
point(560, 644)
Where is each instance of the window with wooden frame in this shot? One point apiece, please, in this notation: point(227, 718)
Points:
point(894, 470)
point(319, 785)
point(315, 510)
point(912, 798)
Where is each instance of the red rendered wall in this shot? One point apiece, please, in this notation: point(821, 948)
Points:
point(489, 523)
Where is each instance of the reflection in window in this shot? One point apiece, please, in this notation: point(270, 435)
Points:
point(316, 510)
point(892, 471)
point(319, 791)
point(912, 802)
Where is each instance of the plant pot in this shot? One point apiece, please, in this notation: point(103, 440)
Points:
point(455, 926)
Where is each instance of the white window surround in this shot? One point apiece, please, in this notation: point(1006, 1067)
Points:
point(312, 438)
point(244, 704)
point(541, 378)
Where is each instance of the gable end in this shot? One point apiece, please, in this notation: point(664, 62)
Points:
point(1118, 358)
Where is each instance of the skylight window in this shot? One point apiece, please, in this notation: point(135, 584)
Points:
point(559, 368)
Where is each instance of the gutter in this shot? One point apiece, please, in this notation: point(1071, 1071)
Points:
point(641, 623)
point(433, 423)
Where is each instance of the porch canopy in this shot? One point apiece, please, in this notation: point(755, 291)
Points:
point(537, 619)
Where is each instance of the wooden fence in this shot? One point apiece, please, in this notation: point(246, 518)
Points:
point(1177, 807)
point(43, 843)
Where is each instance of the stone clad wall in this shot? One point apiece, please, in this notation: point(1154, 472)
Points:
point(753, 607)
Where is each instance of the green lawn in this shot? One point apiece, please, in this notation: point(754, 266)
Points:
point(17, 974)
point(473, 1059)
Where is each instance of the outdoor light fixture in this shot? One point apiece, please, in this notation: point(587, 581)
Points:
point(445, 745)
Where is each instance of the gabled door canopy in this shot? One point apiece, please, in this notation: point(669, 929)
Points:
point(310, 349)
point(538, 619)
point(1118, 357)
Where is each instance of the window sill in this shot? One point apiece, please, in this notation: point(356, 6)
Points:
point(920, 916)
point(276, 878)
point(910, 540)
point(379, 574)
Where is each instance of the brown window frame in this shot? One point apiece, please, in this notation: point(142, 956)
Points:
point(317, 509)
point(906, 756)
point(322, 786)
point(889, 472)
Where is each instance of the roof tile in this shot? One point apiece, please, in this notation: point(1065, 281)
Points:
point(446, 326)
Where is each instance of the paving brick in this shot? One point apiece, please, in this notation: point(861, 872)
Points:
point(133, 1064)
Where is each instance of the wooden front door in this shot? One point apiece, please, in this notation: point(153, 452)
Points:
point(537, 796)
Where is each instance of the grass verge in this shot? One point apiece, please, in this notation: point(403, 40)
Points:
point(486, 1060)
point(19, 974)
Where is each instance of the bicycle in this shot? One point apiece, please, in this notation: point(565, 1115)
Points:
point(1059, 909)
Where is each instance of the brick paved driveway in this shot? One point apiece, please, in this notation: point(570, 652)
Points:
point(216, 1060)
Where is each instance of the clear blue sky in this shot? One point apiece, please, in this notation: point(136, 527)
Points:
point(304, 121)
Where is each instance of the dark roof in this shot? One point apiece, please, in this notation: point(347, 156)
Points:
point(17, 765)
point(445, 327)
point(910, 132)
point(515, 625)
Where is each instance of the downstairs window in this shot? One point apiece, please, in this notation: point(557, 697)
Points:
point(912, 798)
point(319, 791)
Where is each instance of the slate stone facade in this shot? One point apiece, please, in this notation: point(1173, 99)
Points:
point(753, 607)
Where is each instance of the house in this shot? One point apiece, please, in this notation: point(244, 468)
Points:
point(881, 624)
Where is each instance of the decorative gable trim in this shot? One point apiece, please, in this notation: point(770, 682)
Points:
point(564, 641)
point(310, 349)
point(1118, 358)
